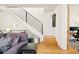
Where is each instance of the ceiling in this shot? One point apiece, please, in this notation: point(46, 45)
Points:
point(47, 7)
point(30, 5)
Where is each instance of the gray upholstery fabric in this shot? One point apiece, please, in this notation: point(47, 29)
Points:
point(1, 34)
point(15, 49)
point(12, 43)
point(15, 38)
point(5, 43)
point(23, 36)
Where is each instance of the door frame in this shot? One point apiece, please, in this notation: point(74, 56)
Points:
point(68, 24)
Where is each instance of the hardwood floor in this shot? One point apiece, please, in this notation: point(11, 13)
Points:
point(49, 46)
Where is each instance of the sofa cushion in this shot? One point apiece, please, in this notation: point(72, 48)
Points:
point(15, 49)
point(5, 44)
point(23, 36)
point(1, 34)
point(15, 38)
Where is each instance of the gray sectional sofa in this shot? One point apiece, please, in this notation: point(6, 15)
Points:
point(11, 43)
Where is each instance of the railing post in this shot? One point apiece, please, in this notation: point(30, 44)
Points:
point(42, 29)
point(26, 17)
point(38, 40)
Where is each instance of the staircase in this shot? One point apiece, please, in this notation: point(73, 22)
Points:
point(49, 46)
point(50, 41)
point(28, 18)
point(30, 22)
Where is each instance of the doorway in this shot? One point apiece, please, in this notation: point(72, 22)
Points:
point(73, 28)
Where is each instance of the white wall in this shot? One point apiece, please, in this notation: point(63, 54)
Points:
point(74, 15)
point(7, 22)
point(61, 22)
point(61, 25)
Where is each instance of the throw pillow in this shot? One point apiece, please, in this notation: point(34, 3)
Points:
point(15, 39)
point(5, 44)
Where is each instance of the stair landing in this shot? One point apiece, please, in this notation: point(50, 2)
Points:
point(49, 46)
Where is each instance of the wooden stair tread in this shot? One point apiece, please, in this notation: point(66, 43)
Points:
point(49, 40)
point(49, 46)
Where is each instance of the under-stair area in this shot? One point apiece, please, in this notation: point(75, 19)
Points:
point(49, 46)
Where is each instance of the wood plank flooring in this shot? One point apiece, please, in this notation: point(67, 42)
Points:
point(50, 46)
